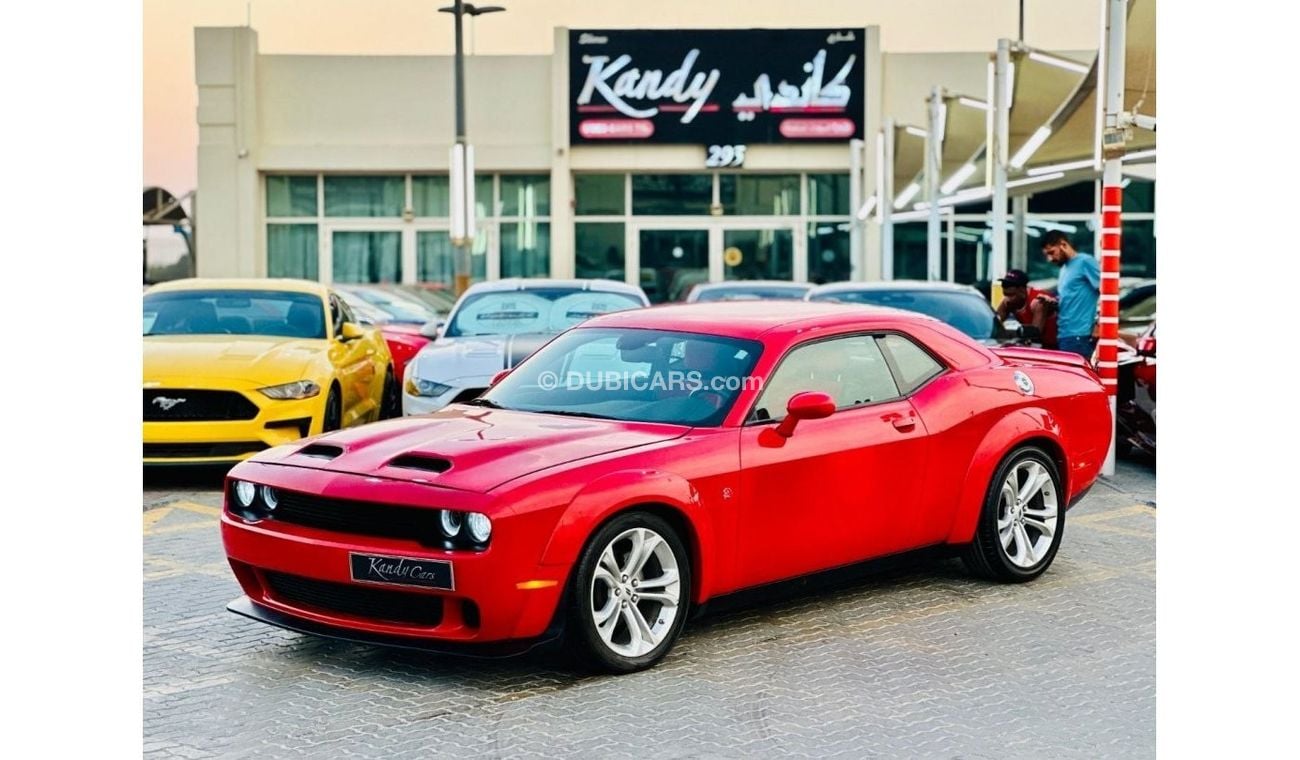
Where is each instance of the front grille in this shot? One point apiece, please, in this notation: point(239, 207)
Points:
point(192, 450)
point(196, 406)
point(361, 518)
point(355, 600)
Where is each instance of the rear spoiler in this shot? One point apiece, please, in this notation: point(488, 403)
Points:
point(1026, 355)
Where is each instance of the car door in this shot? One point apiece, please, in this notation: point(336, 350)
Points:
point(829, 494)
point(354, 361)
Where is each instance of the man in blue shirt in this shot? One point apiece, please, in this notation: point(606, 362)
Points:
point(1077, 290)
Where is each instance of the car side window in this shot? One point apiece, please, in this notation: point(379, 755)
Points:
point(913, 364)
point(852, 370)
point(336, 314)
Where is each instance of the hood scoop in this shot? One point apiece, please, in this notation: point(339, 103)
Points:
point(321, 451)
point(421, 462)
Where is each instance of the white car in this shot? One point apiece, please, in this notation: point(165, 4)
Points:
point(495, 325)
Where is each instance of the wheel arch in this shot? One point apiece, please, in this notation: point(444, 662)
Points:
point(1028, 426)
point(671, 498)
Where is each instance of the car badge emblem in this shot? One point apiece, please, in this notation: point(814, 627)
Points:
point(1023, 382)
point(168, 403)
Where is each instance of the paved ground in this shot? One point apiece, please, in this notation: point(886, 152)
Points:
point(922, 662)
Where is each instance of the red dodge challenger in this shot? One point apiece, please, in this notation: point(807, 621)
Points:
point(647, 462)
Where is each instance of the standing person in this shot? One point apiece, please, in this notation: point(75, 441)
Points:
point(1078, 290)
point(1030, 306)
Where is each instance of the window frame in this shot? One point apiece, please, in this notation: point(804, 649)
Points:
point(876, 334)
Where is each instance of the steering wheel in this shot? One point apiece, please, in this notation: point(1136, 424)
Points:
point(708, 396)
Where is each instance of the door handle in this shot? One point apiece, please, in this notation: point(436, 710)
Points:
point(903, 423)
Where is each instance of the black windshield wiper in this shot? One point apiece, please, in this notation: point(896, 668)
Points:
point(487, 402)
point(589, 415)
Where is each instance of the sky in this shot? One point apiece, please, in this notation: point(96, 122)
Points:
point(404, 27)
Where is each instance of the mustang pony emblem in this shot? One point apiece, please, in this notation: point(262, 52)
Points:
point(167, 403)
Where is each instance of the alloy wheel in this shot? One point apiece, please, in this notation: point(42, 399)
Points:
point(635, 592)
point(1027, 513)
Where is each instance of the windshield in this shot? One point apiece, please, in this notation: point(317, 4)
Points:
point(751, 293)
point(542, 310)
point(235, 312)
point(364, 312)
point(965, 311)
point(631, 374)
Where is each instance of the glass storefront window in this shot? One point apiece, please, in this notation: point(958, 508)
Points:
point(599, 250)
point(672, 262)
point(828, 252)
point(431, 195)
point(1140, 196)
point(291, 196)
point(291, 251)
point(525, 249)
point(828, 195)
point(1078, 198)
point(365, 257)
point(598, 194)
point(672, 194)
point(909, 251)
point(1138, 248)
point(525, 194)
point(758, 254)
point(435, 259)
point(364, 196)
point(759, 194)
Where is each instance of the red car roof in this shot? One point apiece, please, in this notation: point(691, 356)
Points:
point(750, 319)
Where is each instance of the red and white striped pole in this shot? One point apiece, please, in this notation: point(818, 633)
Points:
point(1112, 205)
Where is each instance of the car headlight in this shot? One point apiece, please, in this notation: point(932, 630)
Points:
point(417, 387)
point(244, 493)
point(298, 389)
point(269, 498)
point(451, 522)
point(480, 527)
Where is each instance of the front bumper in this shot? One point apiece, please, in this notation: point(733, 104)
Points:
point(227, 441)
point(500, 594)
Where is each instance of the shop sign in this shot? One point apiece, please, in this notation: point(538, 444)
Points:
point(724, 87)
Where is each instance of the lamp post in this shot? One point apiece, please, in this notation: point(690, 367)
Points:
point(462, 155)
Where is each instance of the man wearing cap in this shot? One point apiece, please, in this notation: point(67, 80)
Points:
point(1078, 290)
point(1030, 306)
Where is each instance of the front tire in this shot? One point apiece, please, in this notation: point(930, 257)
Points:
point(333, 417)
point(1023, 519)
point(630, 594)
point(390, 404)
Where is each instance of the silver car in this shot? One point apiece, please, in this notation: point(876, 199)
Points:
point(495, 325)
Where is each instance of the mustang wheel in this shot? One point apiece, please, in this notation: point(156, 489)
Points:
point(1022, 522)
point(333, 412)
point(630, 594)
point(390, 404)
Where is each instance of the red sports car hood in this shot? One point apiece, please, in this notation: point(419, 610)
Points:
point(476, 449)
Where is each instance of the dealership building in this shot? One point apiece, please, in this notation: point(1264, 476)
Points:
point(659, 157)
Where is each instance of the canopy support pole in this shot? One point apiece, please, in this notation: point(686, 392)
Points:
point(885, 190)
point(1001, 103)
point(857, 255)
point(1019, 236)
point(1112, 204)
point(933, 154)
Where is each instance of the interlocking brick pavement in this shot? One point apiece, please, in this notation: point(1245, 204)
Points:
point(917, 662)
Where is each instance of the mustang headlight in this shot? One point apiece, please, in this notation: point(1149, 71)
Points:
point(244, 493)
point(480, 527)
point(417, 387)
point(298, 389)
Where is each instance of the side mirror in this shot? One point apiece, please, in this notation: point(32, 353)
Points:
point(351, 331)
point(1029, 333)
point(809, 405)
point(498, 377)
point(433, 328)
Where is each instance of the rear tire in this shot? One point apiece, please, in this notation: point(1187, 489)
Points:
point(630, 595)
point(1022, 521)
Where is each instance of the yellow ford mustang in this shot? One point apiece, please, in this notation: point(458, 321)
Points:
point(232, 367)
